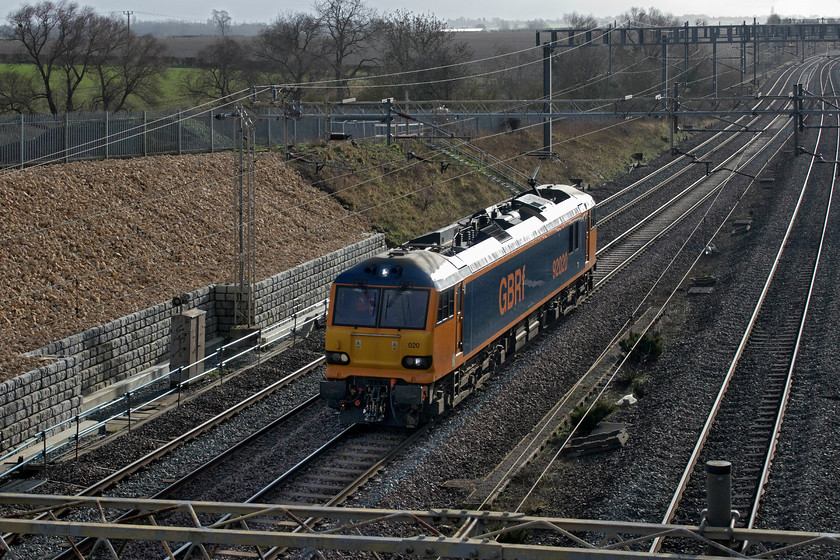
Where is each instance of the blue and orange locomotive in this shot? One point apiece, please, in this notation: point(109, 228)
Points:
point(414, 330)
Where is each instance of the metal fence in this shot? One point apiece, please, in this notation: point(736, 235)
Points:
point(29, 140)
point(33, 139)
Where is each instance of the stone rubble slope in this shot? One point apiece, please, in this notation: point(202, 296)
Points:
point(88, 242)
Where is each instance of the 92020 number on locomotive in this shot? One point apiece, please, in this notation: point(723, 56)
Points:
point(414, 330)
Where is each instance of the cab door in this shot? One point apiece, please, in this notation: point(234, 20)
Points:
point(457, 357)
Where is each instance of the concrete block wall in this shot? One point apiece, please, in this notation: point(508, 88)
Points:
point(279, 296)
point(37, 400)
point(97, 357)
point(276, 298)
point(128, 345)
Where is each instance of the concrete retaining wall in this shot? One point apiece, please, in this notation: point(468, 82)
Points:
point(38, 399)
point(88, 361)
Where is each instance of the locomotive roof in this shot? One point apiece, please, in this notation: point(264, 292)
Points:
point(447, 255)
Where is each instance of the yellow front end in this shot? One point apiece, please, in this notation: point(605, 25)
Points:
point(380, 353)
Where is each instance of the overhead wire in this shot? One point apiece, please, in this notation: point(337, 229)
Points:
point(228, 229)
point(694, 231)
point(233, 259)
point(142, 129)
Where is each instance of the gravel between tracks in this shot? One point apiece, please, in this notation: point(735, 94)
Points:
point(699, 335)
point(72, 476)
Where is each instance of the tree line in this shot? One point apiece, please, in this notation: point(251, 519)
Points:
point(316, 55)
point(341, 48)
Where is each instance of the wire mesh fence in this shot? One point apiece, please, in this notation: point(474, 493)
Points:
point(28, 140)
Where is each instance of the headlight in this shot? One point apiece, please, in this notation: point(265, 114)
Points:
point(417, 362)
point(338, 358)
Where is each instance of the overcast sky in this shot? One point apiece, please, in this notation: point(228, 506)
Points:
point(246, 11)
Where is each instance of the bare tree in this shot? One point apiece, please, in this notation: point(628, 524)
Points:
point(222, 66)
point(652, 17)
point(222, 21)
point(521, 77)
point(19, 93)
point(577, 20)
point(293, 49)
point(350, 25)
point(423, 54)
point(59, 40)
point(127, 66)
point(220, 72)
point(580, 72)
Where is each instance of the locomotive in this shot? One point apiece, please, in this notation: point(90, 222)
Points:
point(414, 330)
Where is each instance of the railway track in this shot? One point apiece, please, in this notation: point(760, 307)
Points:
point(681, 203)
point(755, 392)
point(162, 449)
point(612, 258)
point(722, 145)
point(327, 477)
point(320, 495)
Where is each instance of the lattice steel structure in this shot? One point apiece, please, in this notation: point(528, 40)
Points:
point(215, 528)
point(246, 218)
point(743, 35)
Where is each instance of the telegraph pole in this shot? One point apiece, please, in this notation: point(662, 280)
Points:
point(128, 17)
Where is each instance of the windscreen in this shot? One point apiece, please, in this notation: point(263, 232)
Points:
point(404, 308)
point(355, 306)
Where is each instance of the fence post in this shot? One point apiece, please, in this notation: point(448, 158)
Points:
point(128, 400)
point(179, 132)
point(22, 137)
point(212, 139)
point(106, 134)
point(66, 137)
point(145, 138)
point(77, 437)
point(221, 365)
point(268, 132)
point(44, 435)
point(180, 384)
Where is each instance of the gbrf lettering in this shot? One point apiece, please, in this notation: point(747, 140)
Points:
point(511, 290)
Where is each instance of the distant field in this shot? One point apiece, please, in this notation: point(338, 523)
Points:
point(87, 90)
point(482, 43)
point(183, 50)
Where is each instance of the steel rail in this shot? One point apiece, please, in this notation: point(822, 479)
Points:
point(532, 442)
point(205, 426)
point(777, 426)
point(186, 549)
point(200, 429)
point(643, 240)
point(354, 486)
point(336, 442)
point(782, 81)
point(204, 467)
point(704, 433)
point(691, 154)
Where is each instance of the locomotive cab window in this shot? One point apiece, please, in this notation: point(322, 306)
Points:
point(574, 237)
point(355, 306)
point(404, 308)
point(446, 305)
